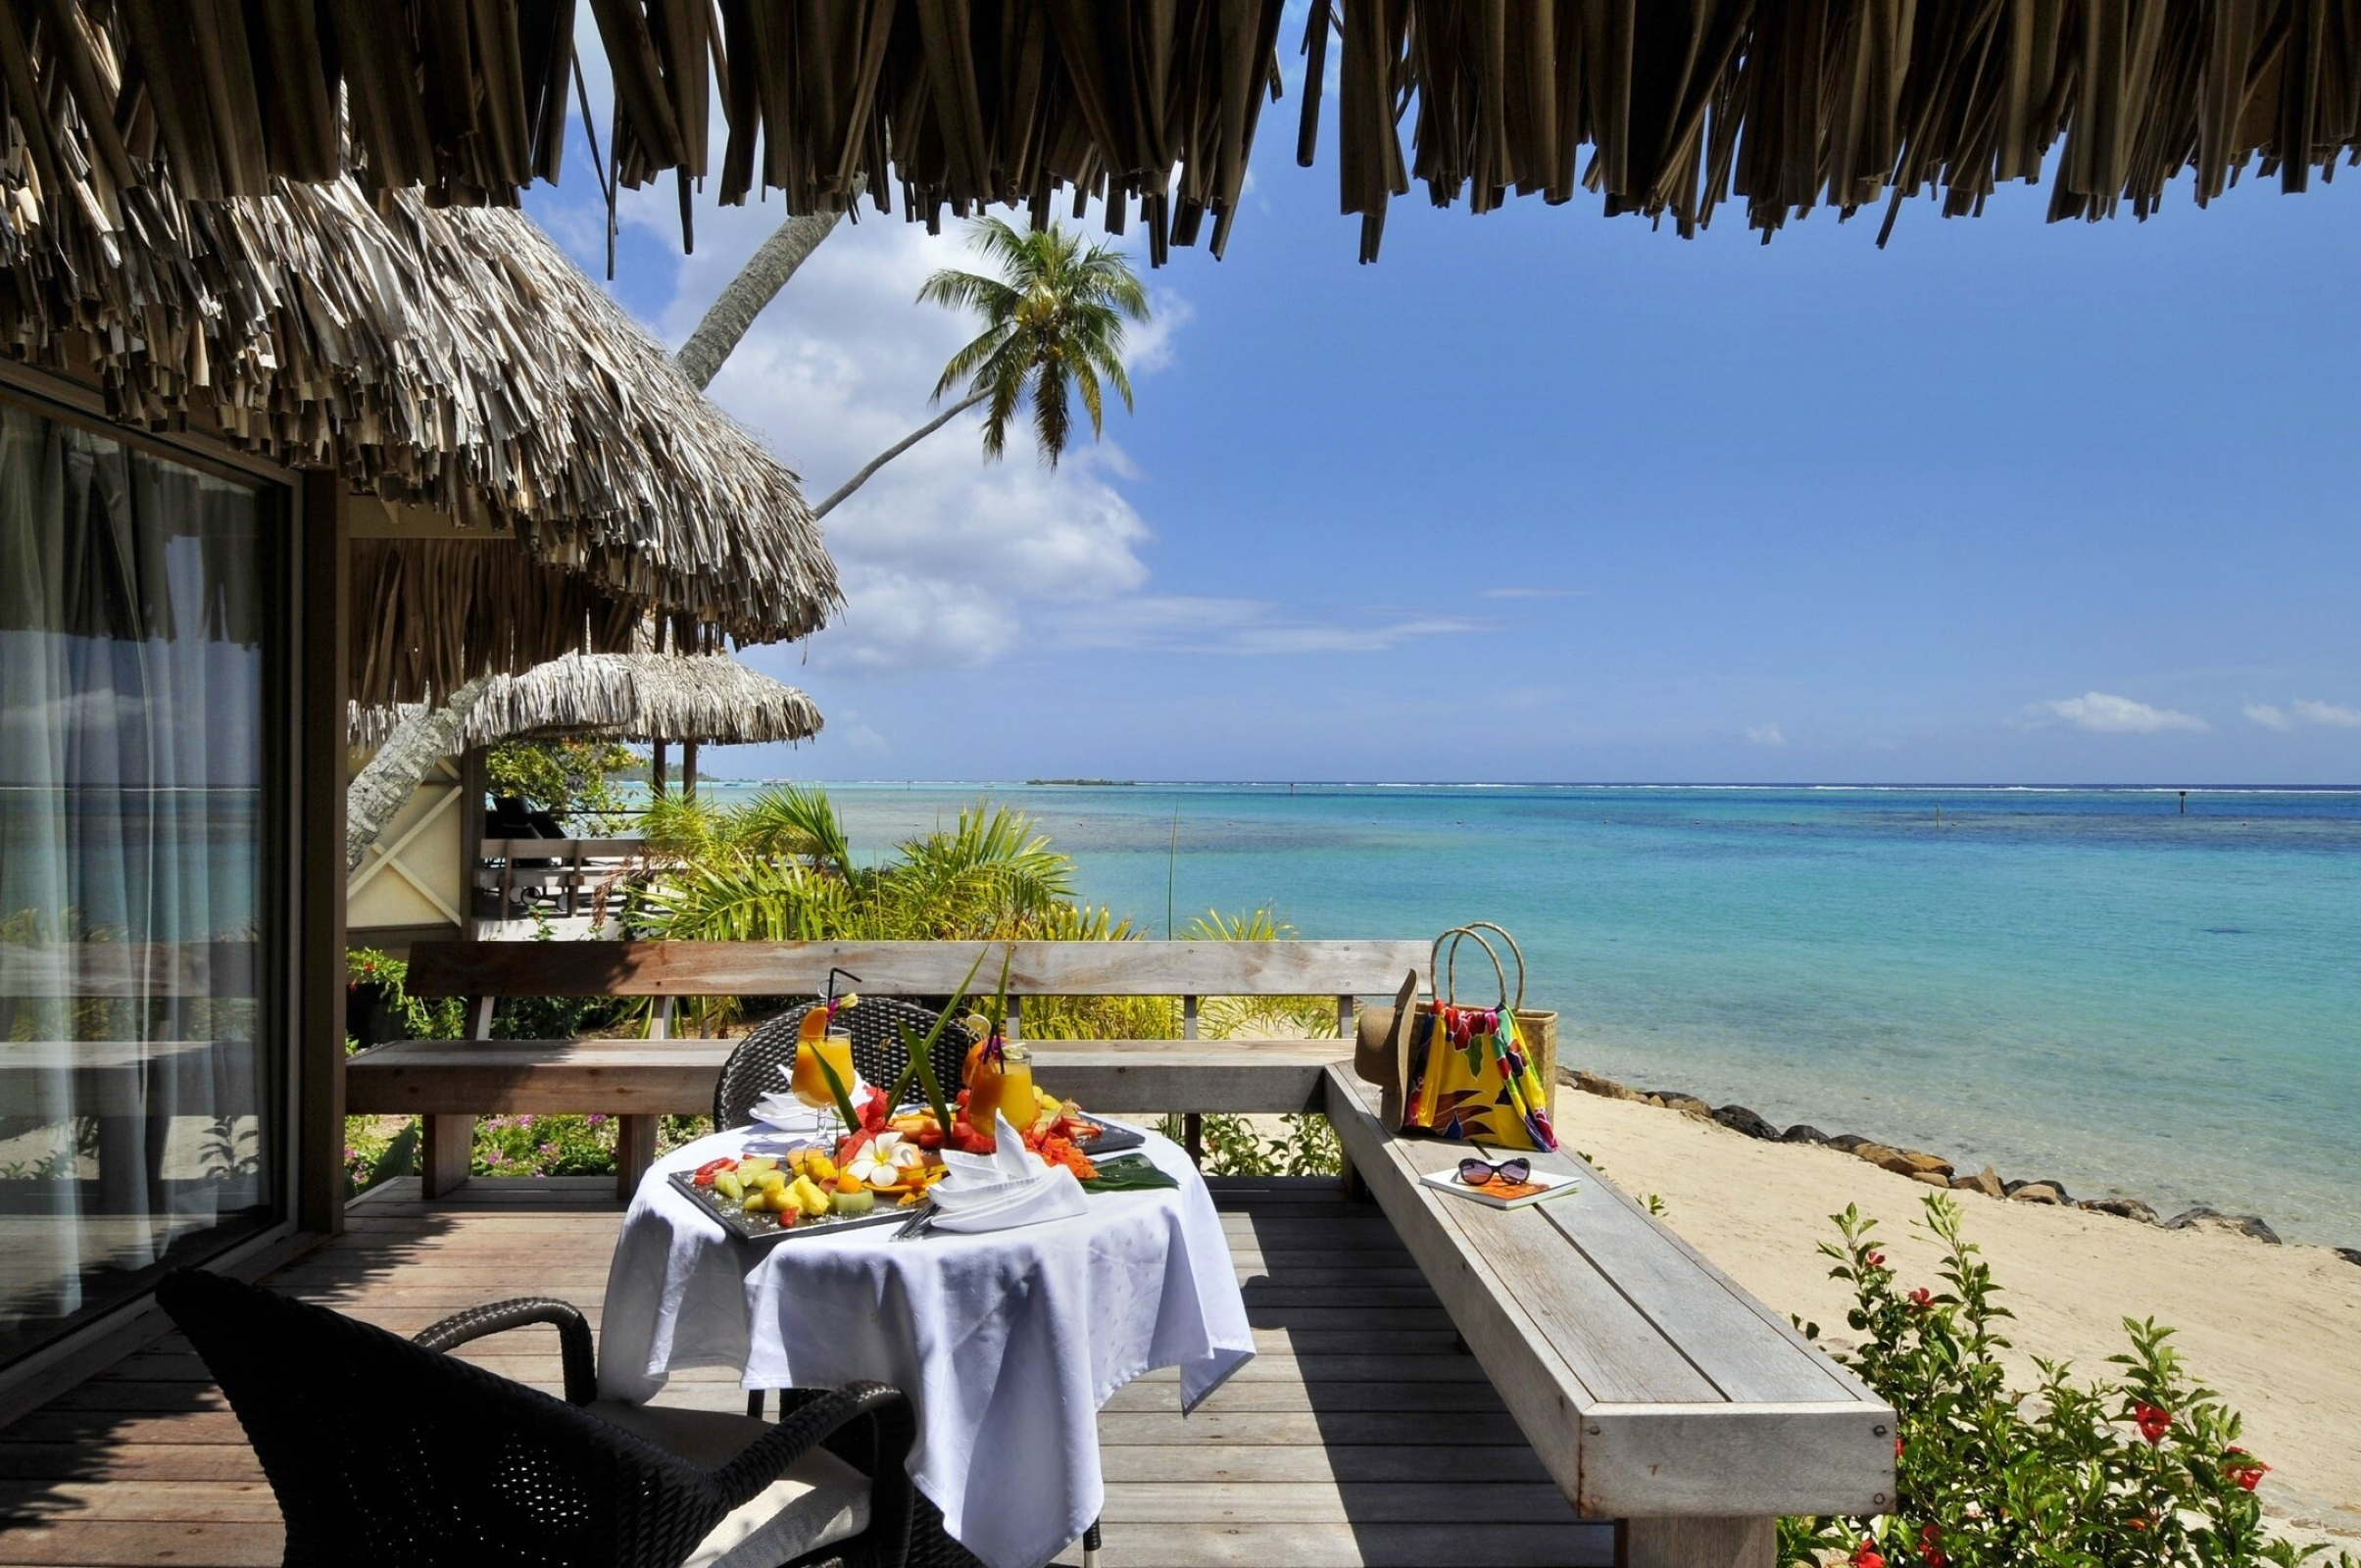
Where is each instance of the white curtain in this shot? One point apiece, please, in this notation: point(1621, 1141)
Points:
point(136, 1107)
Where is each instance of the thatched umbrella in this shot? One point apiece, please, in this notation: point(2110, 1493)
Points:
point(630, 696)
point(450, 360)
point(1786, 107)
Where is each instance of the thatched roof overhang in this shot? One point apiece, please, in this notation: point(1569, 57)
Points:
point(447, 357)
point(637, 696)
point(1683, 105)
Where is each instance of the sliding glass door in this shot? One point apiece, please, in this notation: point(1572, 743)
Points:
point(142, 1088)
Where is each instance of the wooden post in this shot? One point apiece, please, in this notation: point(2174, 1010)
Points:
point(445, 1152)
point(655, 768)
point(1696, 1543)
point(1193, 1124)
point(634, 1151)
point(635, 1136)
point(688, 769)
point(473, 787)
point(447, 1143)
point(322, 675)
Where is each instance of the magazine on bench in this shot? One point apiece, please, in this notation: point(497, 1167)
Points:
point(1540, 1187)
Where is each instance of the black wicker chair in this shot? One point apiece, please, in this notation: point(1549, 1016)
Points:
point(386, 1453)
point(879, 1053)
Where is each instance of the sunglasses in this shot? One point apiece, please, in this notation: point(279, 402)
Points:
point(1479, 1172)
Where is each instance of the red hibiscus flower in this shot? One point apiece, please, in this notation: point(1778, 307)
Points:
point(1930, 1546)
point(2154, 1423)
point(1875, 1260)
point(1866, 1555)
point(2243, 1468)
point(1922, 1298)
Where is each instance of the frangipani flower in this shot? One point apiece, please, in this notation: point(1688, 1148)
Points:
point(887, 1162)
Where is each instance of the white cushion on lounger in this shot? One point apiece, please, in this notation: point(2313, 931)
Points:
point(819, 1502)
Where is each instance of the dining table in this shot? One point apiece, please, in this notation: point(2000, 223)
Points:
point(1006, 1342)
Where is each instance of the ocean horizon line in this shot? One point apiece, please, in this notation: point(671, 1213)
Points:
point(1857, 786)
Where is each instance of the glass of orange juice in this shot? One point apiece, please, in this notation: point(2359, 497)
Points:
point(829, 1047)
point(1007, 1082)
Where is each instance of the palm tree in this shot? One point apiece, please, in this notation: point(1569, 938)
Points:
point(1054, 327)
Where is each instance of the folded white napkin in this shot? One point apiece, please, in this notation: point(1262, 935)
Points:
point(1004, 1188)
point(781, 1109)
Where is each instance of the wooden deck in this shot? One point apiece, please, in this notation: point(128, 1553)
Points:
point(1363, 1434)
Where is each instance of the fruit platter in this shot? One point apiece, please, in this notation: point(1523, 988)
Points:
point(882, 1168)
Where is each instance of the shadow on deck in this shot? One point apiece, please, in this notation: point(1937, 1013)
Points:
point(1361, 1434)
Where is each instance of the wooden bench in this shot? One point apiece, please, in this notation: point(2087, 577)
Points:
point(449, 1083)
point(1657, 1392)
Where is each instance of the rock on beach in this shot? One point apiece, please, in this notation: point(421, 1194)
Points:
point(2203, 1217)
point(1739, 1119)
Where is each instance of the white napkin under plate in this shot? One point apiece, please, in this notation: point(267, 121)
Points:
point(1002, 1190)
point(781, 1109)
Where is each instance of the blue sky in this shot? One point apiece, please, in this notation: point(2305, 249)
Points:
point(1542, 495)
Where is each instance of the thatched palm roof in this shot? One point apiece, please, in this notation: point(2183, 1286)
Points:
point(635, 696)
point(448, 355)
point(1783, 104)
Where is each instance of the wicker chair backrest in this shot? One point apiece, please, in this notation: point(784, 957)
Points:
point(764, 1058)
point(385, 1454)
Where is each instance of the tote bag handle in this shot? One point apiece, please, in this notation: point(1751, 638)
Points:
point(1442, 969)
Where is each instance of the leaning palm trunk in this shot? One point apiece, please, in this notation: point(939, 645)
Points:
point(732, 314)
point(867, 470)
point(377, 795)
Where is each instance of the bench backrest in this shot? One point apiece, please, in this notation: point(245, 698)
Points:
point(912, 968)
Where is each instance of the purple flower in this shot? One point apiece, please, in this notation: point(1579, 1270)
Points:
point(525, 1120)
point(549, 1148)
point(598, 1118)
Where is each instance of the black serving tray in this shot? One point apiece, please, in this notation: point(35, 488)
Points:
point(765, 1227)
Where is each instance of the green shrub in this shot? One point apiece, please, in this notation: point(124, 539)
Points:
point(377, 1150)
point(569, 778)
point(444, 1018)
point(1306, 1145)
point(545, 1146)
point(2141, 1469)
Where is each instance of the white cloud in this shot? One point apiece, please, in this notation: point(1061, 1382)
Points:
point(939, 553)
point(2103, 714)
point(2335, 715)
point(2268, 715)
point(1177, 624)
point(1766, 735)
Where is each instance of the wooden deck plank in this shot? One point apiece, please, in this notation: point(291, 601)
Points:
point(1336, 1446)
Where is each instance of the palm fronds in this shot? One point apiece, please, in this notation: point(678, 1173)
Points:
point(795, 821)
point(1054, 318)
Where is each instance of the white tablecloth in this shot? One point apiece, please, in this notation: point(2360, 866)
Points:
point(1008, 1343)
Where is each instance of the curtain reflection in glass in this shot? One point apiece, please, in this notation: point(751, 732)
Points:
point(137, 1110)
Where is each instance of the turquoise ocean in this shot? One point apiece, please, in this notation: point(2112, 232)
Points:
point(2085, 983)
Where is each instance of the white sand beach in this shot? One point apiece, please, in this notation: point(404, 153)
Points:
point(2276, 1330)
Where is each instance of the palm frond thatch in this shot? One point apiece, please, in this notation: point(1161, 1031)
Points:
point(637, 696)
point(1683, 104)
point(445, 356)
